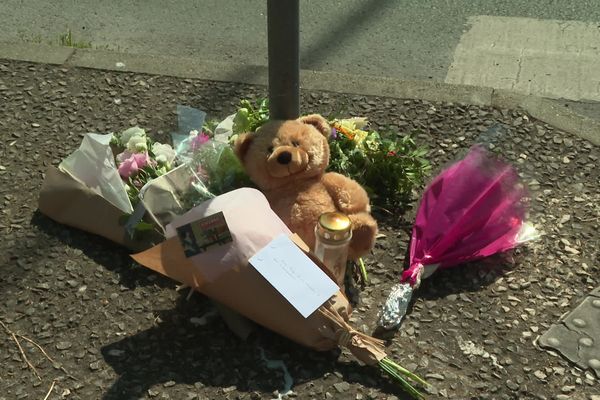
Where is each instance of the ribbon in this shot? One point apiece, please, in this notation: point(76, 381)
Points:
point(365, 348)
point(413, 275)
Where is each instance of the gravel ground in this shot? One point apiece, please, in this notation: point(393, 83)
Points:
point(114, 330)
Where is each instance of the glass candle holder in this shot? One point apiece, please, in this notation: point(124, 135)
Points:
point(333, 233)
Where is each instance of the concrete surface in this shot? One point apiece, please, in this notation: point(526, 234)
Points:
point(550, 58)
point(561, 114)
point(40, 53)
point(408, 40)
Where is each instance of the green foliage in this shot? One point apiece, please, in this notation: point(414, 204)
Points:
point(210, 126)
point(66, 39)
point(389, 167)
point(226, 173)
point(250, 117)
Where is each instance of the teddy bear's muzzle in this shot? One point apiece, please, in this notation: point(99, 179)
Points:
point(286, 161)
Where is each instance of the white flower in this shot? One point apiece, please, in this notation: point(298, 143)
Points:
point(136, 131)
point(163, 153)
point(137, 144)
point(359, 122)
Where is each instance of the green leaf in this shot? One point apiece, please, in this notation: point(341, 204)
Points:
point(143, 226)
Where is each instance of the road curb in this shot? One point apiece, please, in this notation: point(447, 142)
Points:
point(36, 53)
point(553, 112)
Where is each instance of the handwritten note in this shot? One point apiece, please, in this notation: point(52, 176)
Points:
point(294, 275)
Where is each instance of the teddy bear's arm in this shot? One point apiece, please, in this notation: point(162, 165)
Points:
point(348, 196)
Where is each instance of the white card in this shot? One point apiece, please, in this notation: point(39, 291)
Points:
point(294, 275)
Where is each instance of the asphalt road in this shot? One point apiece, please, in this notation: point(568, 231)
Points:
point(411, 39)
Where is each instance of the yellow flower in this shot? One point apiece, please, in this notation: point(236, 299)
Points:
point(358, 122)
point(359, 136)
point(351, 128)
point(344, 130)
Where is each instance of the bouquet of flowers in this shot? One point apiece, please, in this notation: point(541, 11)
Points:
point(218, 248)
point(96, 191)
point(475, 208)
point(139, 160)
point(389, 169)
point(126, 187)
point(206, 168)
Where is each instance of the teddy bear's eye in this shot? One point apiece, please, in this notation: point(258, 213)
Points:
point(295, 143)
point(270, 149)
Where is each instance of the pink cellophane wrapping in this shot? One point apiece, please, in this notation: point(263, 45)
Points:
point(473, 209)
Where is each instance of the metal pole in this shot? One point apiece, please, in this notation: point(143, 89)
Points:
point(283, 21)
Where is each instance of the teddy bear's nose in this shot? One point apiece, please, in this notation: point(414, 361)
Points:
point(284, 158)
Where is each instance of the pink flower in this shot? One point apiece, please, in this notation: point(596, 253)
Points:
point(123, 156)
point(131, 165)
point(198, 140)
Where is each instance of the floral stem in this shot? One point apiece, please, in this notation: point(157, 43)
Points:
point(406, 372)
point(363, 270)
point(399, 374)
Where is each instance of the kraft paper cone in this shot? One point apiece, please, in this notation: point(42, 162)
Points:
point(244, 290)
point(68, 201)
point(224, 274)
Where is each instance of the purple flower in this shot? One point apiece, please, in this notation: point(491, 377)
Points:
point(333, 134)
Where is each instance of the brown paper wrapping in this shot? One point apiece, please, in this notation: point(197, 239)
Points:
point(68, 201)
point(244, 290)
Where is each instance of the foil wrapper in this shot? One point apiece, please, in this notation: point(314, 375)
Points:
point(395, 306)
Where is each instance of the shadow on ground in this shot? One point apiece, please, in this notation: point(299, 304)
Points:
point(175, 351)
point(103, 252)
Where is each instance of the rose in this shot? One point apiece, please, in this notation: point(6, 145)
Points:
point(131, 165)
point(123, 156)
point(163, 153)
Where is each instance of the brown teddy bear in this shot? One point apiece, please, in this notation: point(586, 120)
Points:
point(287, 161)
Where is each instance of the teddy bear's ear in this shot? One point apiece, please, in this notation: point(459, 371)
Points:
point(318, 122)
point(242, 144)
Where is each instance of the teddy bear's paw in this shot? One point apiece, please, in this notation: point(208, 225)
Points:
point(364, 231)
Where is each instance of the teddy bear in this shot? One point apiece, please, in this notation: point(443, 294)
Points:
point(287, 161)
